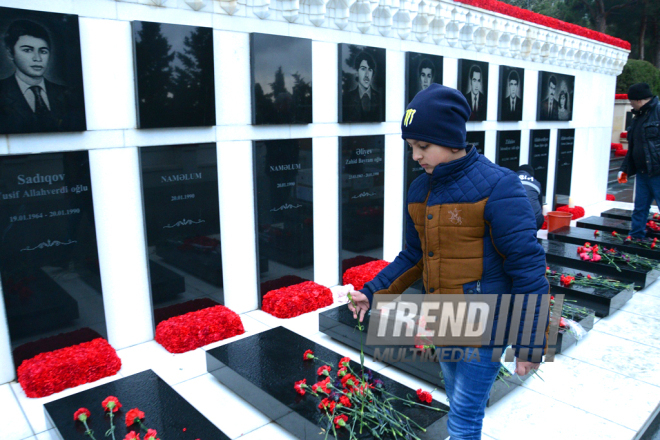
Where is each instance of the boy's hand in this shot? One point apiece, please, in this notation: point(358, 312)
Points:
point(622, 177)
point(524, 367)
point(361, 304)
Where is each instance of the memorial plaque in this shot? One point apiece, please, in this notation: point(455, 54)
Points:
point(362, 189)
point(174, 75)
point(339, 324)
point(422, 70)
point(263, 368)
point(165, 411)
point(566, 255)
point(539, 149)
point(41, 80)
point(569, 234)
point(182, 217)
point(507, 153)
point(555, 97)
point(511, 93)
point(601, 300)
point(283, 173)
point(564, 167)
point(621, 214)
point(477, 139)
point(48, 255)
point(362, 79)
point(281, 70)
point(473, 83)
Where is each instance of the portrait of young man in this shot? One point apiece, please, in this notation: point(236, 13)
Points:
point(30, 101)
point(422, 70)
point(363, 97)
point(550, 103)
point(511, 93)
point(474, 85)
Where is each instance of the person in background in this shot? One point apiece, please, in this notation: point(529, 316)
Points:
point(643, 156)
point(534, 192)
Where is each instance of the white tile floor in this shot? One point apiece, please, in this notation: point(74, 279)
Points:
point(606, 387)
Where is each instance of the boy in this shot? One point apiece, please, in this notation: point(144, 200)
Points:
point(470, 229)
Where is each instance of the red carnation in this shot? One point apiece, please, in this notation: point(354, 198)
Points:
point(308, 355)
point(324, 370)
point(151, 435)
point(327, 405)
point(424, 396)
point(340, 421)
point(298, 386)
point(345, 401)
point(596, 233)
point(82, 414)
point(134, 416)
point(343, 362)
point(343, 371)
point(614, 233)
point(132, 436)
point(111, 403)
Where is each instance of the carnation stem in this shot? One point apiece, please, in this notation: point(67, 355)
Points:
point(111, 431)
point(88, 431)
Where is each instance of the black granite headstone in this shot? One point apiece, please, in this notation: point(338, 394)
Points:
point(564, 166)
point(603, 301)
point(165, 411)
point(283, 178)
point(610, 224)
point(362, 83)
point(339, 324)
point(539, 149)
point(264, 367)
point(48, 253)
point(182, 217)
point(620, 214)
point(281, 69)
point(507, 153)
point(362, 189)
point(579, 236)
point(477, 139)
point(566, 255)
point(174, 74)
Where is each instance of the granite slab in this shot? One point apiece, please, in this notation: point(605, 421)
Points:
point(579, 236)
point(610, 224)
point(165, 410)
point(263, 368)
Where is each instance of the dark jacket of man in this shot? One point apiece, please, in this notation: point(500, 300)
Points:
point(644, 132)
point(534, 194)
point(66, 112)
point(509, 114)
point(548, 115)
point(352, 110)
point(480, 113)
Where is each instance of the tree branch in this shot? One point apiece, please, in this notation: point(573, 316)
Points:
point(620, 6)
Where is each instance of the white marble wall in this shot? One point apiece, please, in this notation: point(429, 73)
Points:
point(113, 138)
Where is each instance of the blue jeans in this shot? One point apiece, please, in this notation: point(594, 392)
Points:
point(648, 188)
point(468, 386)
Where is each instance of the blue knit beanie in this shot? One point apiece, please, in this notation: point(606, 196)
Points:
point(437, 115)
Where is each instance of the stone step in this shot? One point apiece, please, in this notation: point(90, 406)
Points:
point(579, 236)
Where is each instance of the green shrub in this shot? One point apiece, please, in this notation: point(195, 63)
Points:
point(638, 71)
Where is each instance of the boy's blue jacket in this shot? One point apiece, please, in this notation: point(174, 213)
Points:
point(470, 229)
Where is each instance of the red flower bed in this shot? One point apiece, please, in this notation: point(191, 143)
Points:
point(165, 313)
point(358, 276)
point(610, 197)
point(623, 135)
point(621, 96)
point(196, 329)
point(533, 17)
point(616, 146)
point(621, 152)
point(295, 300)
point(54, 371)
point(578, 211)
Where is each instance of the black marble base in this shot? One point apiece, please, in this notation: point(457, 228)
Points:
point(620, 214)
point(579, 236)
point(338, 323)
point(602, 301)
point(165, 411)
point(205, 265)
point(565, 339)
point(610, 224)
point(566, 255)
point(263, 368)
